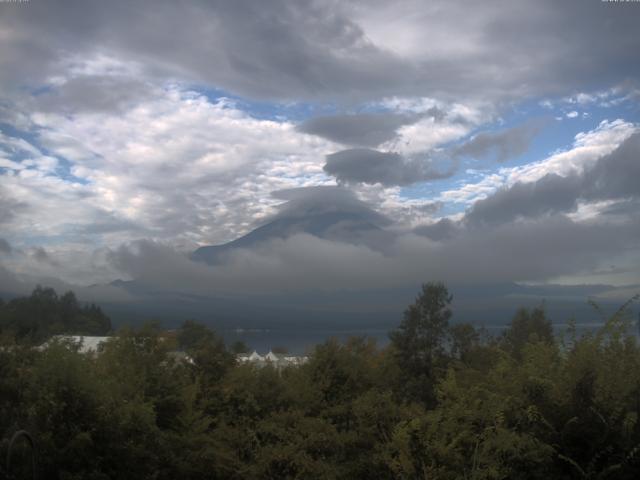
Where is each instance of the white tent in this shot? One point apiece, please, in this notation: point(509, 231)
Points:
point(272, 357)
point(256, 357)
point(86, 343)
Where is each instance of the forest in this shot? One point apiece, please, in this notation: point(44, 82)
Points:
point(442, 400)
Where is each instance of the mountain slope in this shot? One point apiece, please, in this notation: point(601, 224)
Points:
point(346, 227)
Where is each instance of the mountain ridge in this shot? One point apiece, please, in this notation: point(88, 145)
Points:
point(346, 227)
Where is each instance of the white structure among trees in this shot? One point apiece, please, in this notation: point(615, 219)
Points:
point(274, 359)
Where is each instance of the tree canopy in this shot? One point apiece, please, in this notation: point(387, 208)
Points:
point(44, 313)
point(520, 405)
point(419, 342)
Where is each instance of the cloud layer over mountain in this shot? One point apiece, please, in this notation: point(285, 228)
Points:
point(322, 146)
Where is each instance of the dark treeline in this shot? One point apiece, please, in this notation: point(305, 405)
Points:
point(442, 401)
point(35, 318)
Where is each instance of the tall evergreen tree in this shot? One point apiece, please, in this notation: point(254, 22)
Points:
point(419, 342)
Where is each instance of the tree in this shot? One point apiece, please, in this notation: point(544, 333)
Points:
point(527, 327)
point(419, 342)
point(463, 339)
point(35, 318)
point(239, 346)
point(210, 361)
point(192, 333)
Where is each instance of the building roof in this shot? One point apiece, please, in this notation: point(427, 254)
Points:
point(276, 359)
point(86, 343)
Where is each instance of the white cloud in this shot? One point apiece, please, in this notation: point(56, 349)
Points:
point(111, 138)
point(178, 166)
point(427, 134)
point(10, 164)
point(585, 151)
point(535, 250)
point(603, 98)
point(443, 122)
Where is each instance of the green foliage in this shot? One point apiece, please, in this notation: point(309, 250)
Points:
point(240, 347)
point(43, 314)
point(527, 327)
point(419, 341)
point(464, 340)
point(520, 406)
point(192, 334)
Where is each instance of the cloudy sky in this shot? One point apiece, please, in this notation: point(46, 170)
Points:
point(487, 142)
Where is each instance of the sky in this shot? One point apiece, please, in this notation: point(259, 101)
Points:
point(477, 143)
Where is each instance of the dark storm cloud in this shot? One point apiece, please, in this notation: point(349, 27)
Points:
point(533, 250)
point(540, 249)
point(107, 222)
point(622, 208)
point(443, 229)
point(503, 145)
point(42, 256)
point(94, 93)
point(551, 194)
point(21, 285)
point(5, 246)
point(362, 165)
point(613, 177)
point(361, 130)
point(306, 49)
point(438, 115)
point(9, 283)
point(272, 48)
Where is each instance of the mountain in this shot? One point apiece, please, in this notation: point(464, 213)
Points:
point(339, 226)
